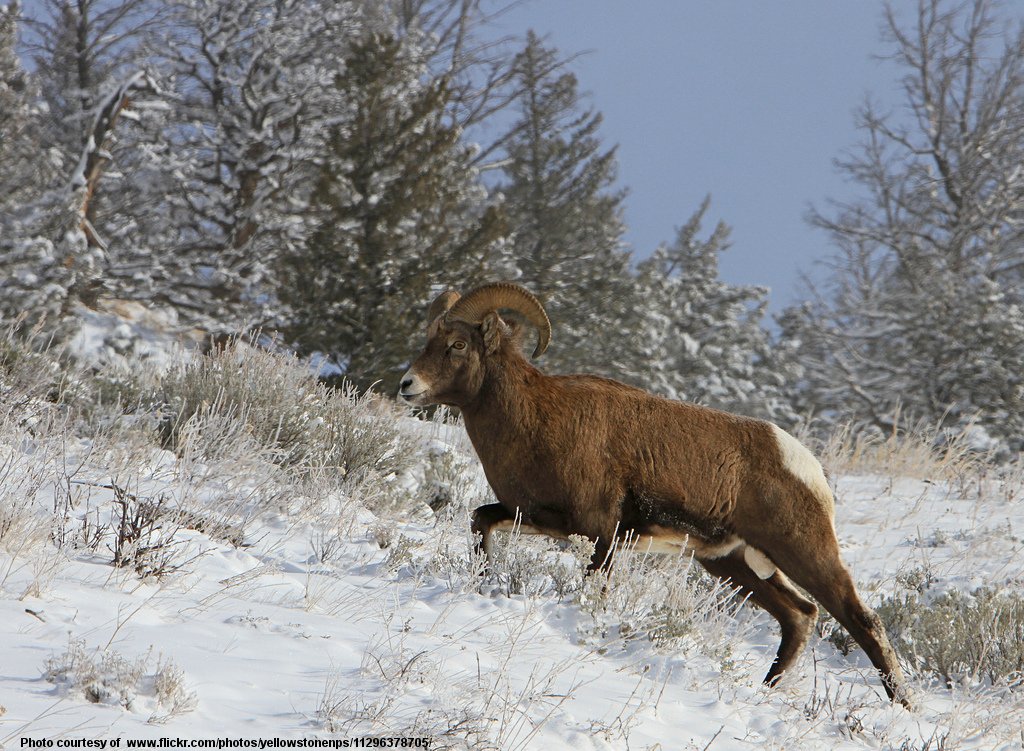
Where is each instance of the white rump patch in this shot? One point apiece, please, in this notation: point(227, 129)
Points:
point(801, 463)
point(759, 563)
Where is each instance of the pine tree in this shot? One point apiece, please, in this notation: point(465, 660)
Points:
point(245, 82)
point(72, 196)
point(398, 210)
point(20, 152)
point(51, 252)
point(566, 215)
point(699, 338)
point(924, 313)
point(19, 146)
point(37, 226)
point(82, 51)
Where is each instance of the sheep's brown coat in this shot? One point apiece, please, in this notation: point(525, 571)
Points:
point(585, 455)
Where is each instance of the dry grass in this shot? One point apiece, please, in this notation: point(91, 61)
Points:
point(918, 451)
point(275, 403)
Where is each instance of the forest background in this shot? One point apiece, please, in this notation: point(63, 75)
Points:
point(318, 171)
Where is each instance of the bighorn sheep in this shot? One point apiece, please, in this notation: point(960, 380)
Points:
point(579, 454)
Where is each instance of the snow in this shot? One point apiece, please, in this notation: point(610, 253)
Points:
point(125, 331)
point(273, 643)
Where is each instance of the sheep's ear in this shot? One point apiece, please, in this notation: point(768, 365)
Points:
point(491, 330)
point(515, 332)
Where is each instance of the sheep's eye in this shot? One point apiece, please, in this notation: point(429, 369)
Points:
point(458, 346)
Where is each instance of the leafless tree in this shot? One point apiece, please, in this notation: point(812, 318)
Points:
point(924, 306)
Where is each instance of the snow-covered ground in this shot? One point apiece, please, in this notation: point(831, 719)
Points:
point(331, 621)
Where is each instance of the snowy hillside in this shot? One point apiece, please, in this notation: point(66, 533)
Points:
point(268, 588)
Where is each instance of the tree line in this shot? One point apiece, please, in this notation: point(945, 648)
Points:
point(321, 169)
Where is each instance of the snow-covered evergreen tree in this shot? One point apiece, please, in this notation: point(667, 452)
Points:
point(245, 81)
point(28, 264)
point(82, 51)
point(699, 338)
point(398, 211)
point(38, 233)
point(566, 215)
point(71, 188)
point(51, 252)
point(20, 151)
point(924, 312)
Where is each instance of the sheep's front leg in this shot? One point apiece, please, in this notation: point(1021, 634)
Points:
point(601, 560)
point(485, 520)
point(494, 517)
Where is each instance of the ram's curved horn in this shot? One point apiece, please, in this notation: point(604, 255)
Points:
point(442, 303)
point(476, 304)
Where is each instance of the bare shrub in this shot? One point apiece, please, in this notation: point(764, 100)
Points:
point(399, 547)
point(828, 628)
point(127, 388)
point(118, 404)
point(937, 741)
point(667, 600)
point(145, 536)
point(448, 558)
point(529, 565)
point(272, 396)
point(217, 449)
point(36, 377)
point(447, 481)
point(100, 677)
point(956, 636)
point(305, 426)
point(29, 369)
point(170, 691)
point(106, 677)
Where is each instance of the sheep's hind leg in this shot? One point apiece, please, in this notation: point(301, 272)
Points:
point(794, 612)
point(833, 587)
point(812, 560)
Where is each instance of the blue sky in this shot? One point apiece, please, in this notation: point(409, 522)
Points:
point(748, 101)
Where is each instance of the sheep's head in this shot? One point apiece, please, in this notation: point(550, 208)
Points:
point(462, 333)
